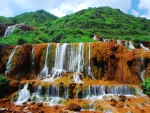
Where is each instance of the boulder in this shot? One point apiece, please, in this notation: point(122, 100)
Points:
point(98, 38)
point(13, 86)
point(2, 29)
point(74, 107)
point(24, 27)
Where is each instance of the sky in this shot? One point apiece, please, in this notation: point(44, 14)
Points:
point(11, 8)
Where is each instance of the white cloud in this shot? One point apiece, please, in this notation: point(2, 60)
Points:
point(80, 7)
point(5, 9)
point(63, 7)
point(57, 12)
point(144, 5)
point(68, 6)
point(6, 12)
point(135, 13)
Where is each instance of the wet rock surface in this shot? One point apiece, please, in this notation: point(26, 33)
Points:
point(2, 29)
point(115, 74)
point(74, 107)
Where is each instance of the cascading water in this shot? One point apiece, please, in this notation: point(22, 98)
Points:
point(80, 57)
point(131, 46)
point(119, 42)
point(143, 47)
point(32, 55)
point(126, 43)
point(89, 67)
point(76, 77)
point(106, 40)
point(59, 60)
point(44, 72)
point(9, 30)
point(8, 66)
point(37, 96)
point(120, 90)
point(75, 62)
point(24, 95)
point(66, 89)
point(98, 91)
point(73, 59)
point(76, 59)
point(94, 92)
point(143, 69)
point(51, 95)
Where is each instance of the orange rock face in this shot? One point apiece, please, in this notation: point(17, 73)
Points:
point(110, 65)
point(113, 62)
point(108, 60)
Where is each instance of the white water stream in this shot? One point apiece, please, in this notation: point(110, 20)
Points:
point(8, 66)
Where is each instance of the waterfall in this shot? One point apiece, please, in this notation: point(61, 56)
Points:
point(98, 91)
point(59, 60)
point(76, 59)
point(9, 30)
point(119, 42)
point(52, 95)
point(143, 69)
point(32, 55)
point(73, 59)
point(37, 96)
point(80, 57)
point(66, 89)
point(8, 66)
point(142, 75)
point(94, 91)
point(131, 46)
point(24, 95)
point(120, 90)
point(106, 40)
point(143, 47)
point(76, 78)
point(44, 72)
point(126, 43)
point(89, 67)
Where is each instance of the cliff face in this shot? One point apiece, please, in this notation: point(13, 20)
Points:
point(100, 60)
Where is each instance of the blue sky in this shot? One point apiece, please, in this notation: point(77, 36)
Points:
point(10, 8)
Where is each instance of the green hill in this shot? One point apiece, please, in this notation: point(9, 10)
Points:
point(38, 18)
point(79, 27)
point(106, 22)
point(5, 20)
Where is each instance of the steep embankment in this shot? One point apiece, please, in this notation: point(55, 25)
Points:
point(107, 61)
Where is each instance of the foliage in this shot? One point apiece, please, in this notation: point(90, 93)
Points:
point(79, 27)
point(146, 86)
point(37, 18)
point(5, 20)
point(4, 83)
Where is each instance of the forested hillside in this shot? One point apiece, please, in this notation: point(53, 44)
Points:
point(78, 27)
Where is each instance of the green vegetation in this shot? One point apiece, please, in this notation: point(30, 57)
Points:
point(146, 86)
point(38, 18)
point(4, 83)
point(78, 27)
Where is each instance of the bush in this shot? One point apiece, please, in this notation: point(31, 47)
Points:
point(21, 41)
point(146, 86)
point(4, 84)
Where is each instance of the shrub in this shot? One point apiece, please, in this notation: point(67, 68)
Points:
point(146, 86)
point(21, 41)
point(4, 84)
